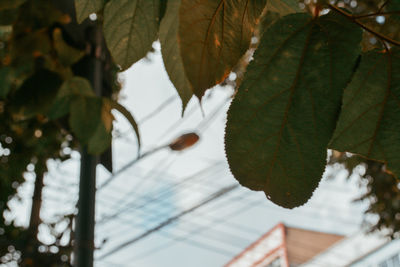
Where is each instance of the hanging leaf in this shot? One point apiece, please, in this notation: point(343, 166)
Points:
point(72, 87)
point(85, 116)
point(283, 7)
point(285, 111)
point(121, 109)
point(67, 54)
point(101, 139)
point(170, 51)
point(130, 28)
point(213, 36)
point(369, 121)
point(84, 8)
point(6, 76)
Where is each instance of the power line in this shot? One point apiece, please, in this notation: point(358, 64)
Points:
point(199, 227)
point(162, 194)
point(241, 198)
point(152, 174)
point(205, 123)
point(158, 109)
point(132, 196)
point(216, 249)
point(187, 236)
point(170, 220)
point(128, 165)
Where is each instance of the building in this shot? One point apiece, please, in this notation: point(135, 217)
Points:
point(285, 246)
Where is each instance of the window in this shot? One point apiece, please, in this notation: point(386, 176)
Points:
point(274, 263)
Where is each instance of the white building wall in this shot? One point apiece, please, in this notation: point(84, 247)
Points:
point(380, 256)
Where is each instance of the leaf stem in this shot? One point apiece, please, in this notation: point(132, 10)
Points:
point(376, 14)
point(365, 27)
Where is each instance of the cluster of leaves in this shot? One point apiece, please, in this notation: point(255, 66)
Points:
point(45, 107)
point(288, 109)
point(382, 194)
point(328, 78)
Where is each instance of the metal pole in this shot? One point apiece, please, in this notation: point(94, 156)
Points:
point(85, 221)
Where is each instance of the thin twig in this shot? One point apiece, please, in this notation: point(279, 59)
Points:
point(382, 6)
point(365, 27)
point(376, 14)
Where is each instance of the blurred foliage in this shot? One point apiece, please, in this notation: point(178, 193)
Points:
point(38, 59)
point(383, 188)
point(383, 191)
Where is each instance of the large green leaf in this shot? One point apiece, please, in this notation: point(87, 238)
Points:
point(213, 35)
point(170, 51)
point(74, 86)
point(130, 28)
point(369, 123)
point(285, 111)
point(86, 7)
point(85, 116)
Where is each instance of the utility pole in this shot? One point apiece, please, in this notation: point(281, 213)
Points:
point(85, 221)
point(88, 36)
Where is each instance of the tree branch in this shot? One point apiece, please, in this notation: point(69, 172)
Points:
point(365, 27)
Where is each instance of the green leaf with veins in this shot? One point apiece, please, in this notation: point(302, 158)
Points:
point(130, 28)
point(213, 36)
point(170, 52)
point(285, 111)
point(86, 7)
point(370, 119)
